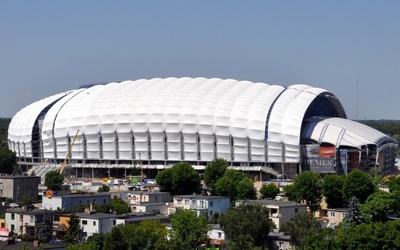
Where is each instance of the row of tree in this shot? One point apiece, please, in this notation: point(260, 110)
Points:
point(183, 179)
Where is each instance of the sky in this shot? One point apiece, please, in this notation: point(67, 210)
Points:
point(350, 48)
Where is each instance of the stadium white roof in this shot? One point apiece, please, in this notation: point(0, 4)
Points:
point(182, 119)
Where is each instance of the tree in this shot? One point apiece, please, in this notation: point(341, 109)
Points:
point(54, 180)
point(394, 184)
point(235, 185)
point(83, 246)
point(26, 200)
point(97, 240)
point(115, 240)
point(332, 187)
point(269, 191)
point(180, 179)
point(379, 205)
point(245, 189)
point(73, 229)
point(185, 179)
point(247, 219)
point(354, 215)
point(164, 179)
point(299, 227)
point(358, 184)
point(309, 187)
point(103, 188)
point(214, 171)
point(189, 227)
point(119, 206)
point(8, 160)
point(291, 192)
point(45, 231)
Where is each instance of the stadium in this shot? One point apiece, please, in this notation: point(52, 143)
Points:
point(152, 124)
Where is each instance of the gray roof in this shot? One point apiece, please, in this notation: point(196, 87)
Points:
point(274, 203)
point(200, 197)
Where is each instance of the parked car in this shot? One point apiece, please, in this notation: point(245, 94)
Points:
point(13, 205)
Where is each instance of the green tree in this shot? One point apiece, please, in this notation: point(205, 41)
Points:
point(45, 231)
point(394, 184)
point(83, 246)
point(269, 191)
point(54, 180)
point(291, 192)
point(26, 200)
point(354, 215)
point(235, 185)
point(214, 171)
point(180, 179)
point(164, 179)
point(115, 240)
point(332, 187)
point(358, 184)
point(119, 206)
point(103, 189)
point(97, 240)
point(246, 190)
point(299, 227)
point(189, 227)
point(309, 187)
point(73, 229)
point(247, 219)
point(379, 205)
point(8, 160)
point(185, 179)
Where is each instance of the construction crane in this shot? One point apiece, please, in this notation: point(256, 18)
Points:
point(68, 153)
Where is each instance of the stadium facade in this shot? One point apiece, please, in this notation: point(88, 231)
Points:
point(155, 123)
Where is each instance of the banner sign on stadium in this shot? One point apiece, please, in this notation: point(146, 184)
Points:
point(320, 164)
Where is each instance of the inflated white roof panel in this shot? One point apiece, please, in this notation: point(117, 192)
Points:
point(173, 119)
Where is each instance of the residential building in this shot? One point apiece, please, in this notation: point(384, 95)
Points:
point(335, 216)
point(155, 208)
point(217, 236)
point(70, 201)
point(16, 186)
point(201, 204)
point(279, 241)
point(279, 211)
point(138, 218)
point(101, 223)
point(24, 222)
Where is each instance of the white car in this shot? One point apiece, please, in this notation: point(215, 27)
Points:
point(13, 205)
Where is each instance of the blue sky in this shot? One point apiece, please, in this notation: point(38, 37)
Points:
point(47, 47)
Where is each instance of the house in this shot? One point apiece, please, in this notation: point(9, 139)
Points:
point(216, 236)
point(279, 211)
point(155, 208)
point(138, 218)
point(140, 197)
point(24, 222)
point(101, 223)
point(201, 204)
point(18, 186)
point(70, 201)
point(279, 241)
point(335, 216)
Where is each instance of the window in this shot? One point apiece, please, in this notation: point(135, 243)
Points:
point(187, 202)
point(211, 203)
point(94, 223)
point(12, 217)
point(211, 213)
point(296, 210)
point(32, 218)
point(219, 235)
point(332, 214)
point(179, 202)
point(84, 222)
point(344, 215)
point(12, 228)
